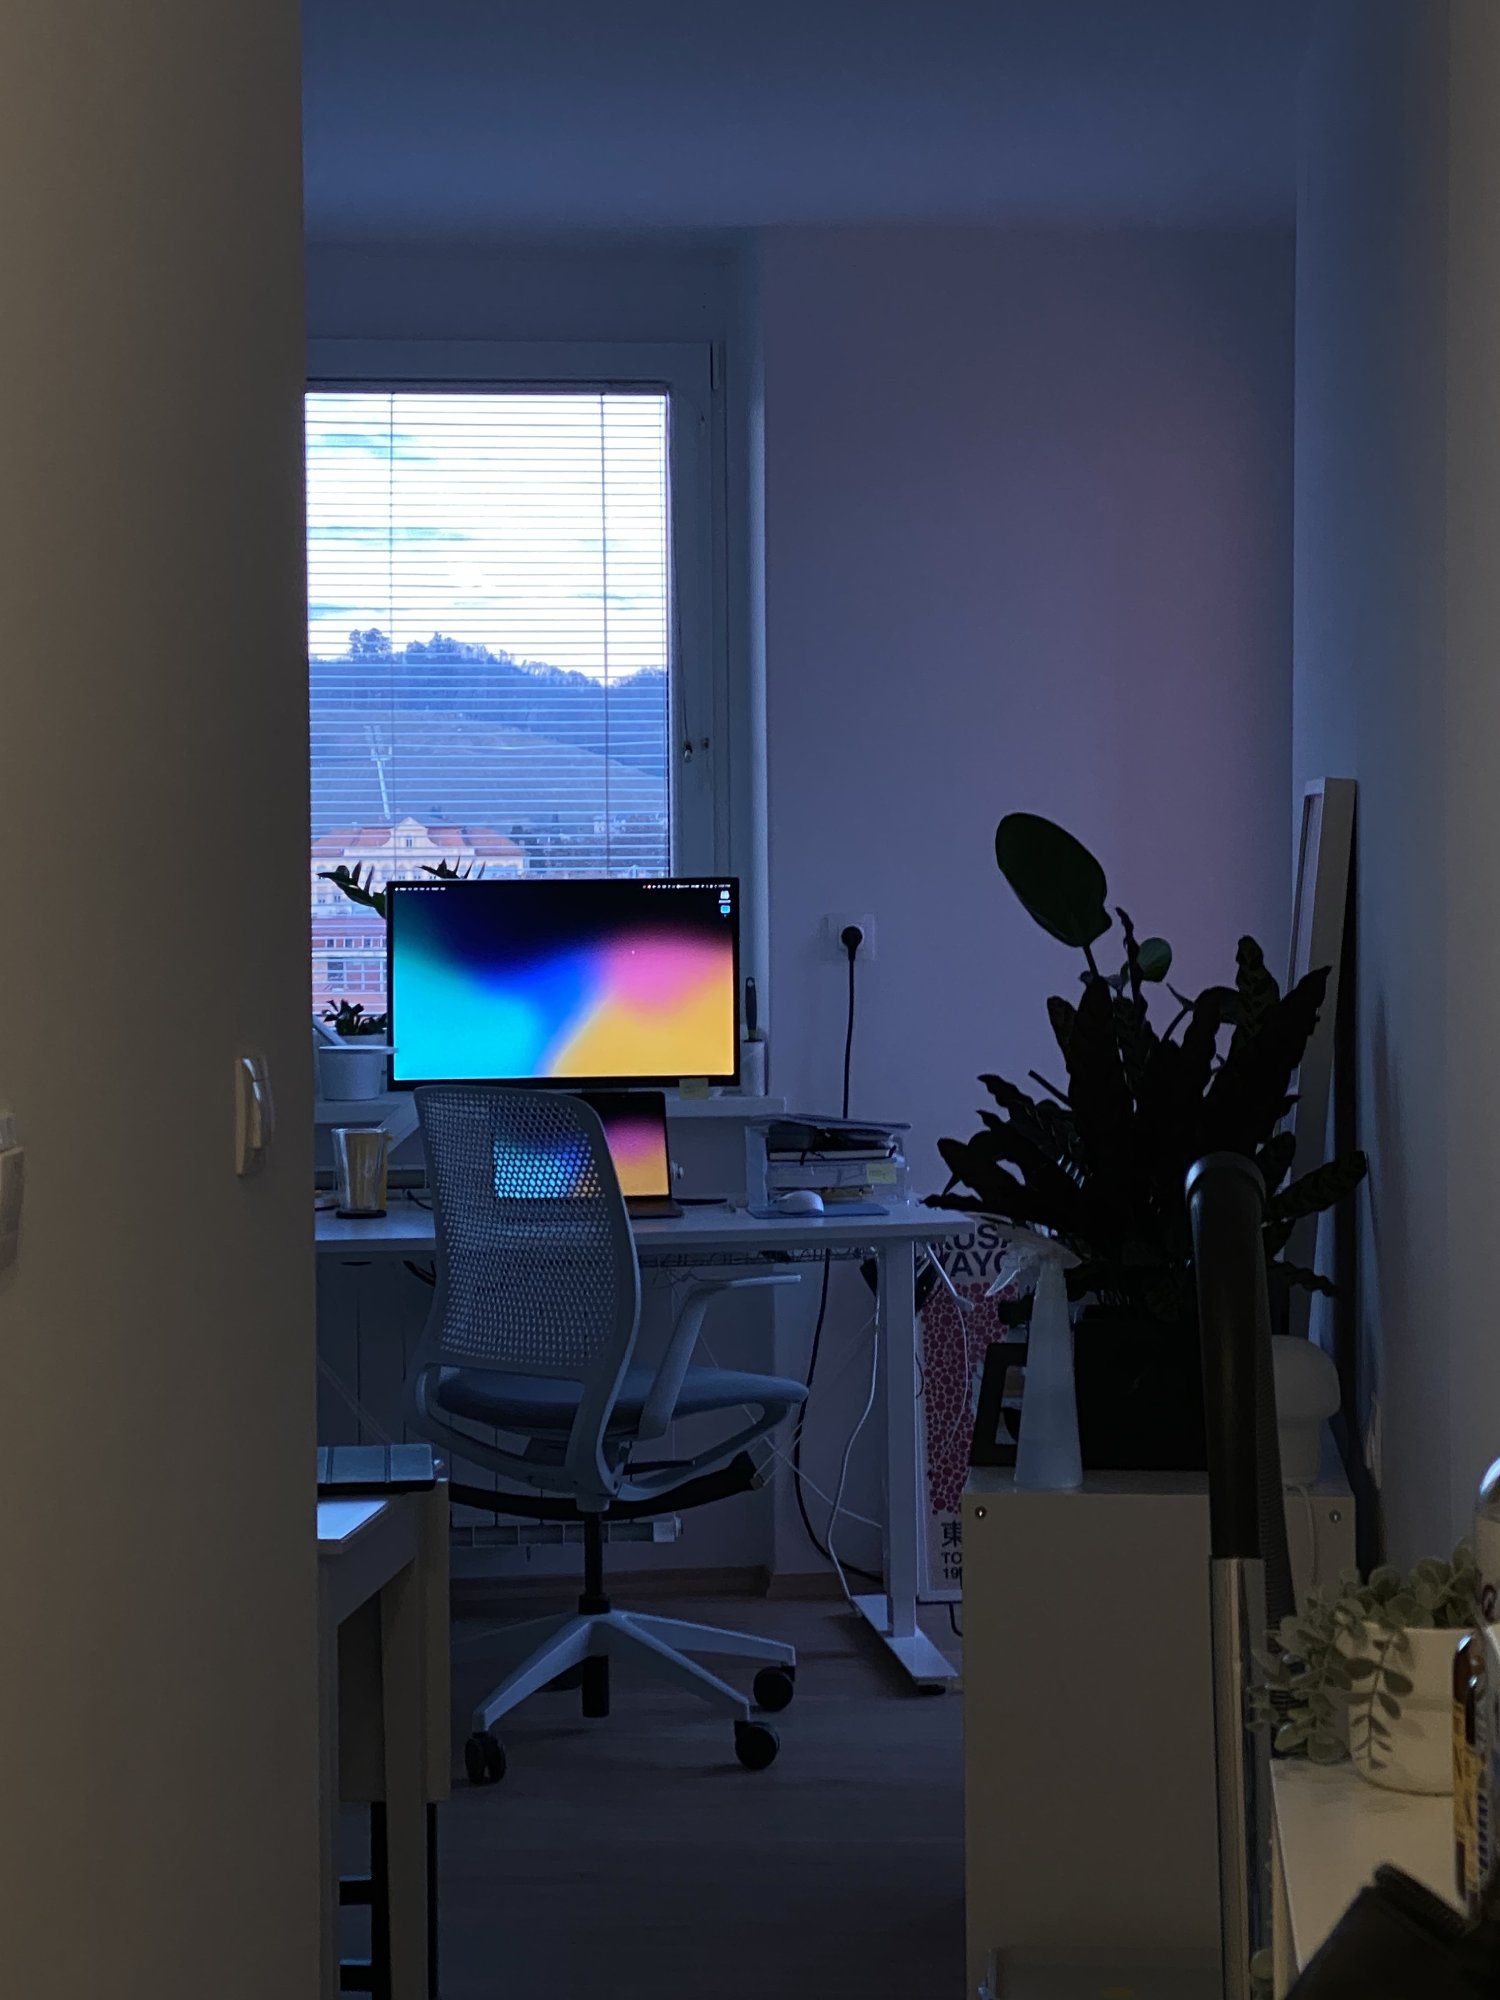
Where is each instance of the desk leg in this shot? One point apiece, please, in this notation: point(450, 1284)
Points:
point(328, 1805)
point(893, 1613)
point(403, 1640)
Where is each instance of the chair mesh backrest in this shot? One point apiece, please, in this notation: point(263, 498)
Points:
point(536, 1262)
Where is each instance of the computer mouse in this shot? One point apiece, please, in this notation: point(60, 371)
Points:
point(800, 1201)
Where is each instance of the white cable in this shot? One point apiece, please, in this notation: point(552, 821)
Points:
point(964, 1305)
point(777, 1451)
point(865, 1520)
point(838, 1496)
point(369, 1422)
point(1304, 1493)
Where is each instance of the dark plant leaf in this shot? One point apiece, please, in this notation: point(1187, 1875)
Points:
point(1257, 989)
point(1130, 974)
point(1052, 1089)
point(1156, 960)
point(1064, 1018)
point(1243, 1103)
point(1298, 1274)
point(1136, 1039)
point(355, 886)
point(1059, 883)
point(1320, 1189)
point(1275, 1159)
point(1050, 1125)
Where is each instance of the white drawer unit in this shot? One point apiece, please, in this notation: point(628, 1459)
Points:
point(1088, 1732)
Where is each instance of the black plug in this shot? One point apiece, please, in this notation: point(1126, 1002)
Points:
point(851, 937)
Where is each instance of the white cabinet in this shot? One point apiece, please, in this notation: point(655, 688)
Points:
point(1088, 1733)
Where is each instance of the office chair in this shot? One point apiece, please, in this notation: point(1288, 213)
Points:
point(532, 1333)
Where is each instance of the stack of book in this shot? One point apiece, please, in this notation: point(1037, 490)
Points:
point(849, 1162)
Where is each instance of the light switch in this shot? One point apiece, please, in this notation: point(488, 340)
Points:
point(12, 1187)
point(254, 1117)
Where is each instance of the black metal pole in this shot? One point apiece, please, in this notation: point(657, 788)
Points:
point(1226, 1202)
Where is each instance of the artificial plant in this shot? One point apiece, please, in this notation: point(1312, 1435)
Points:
point(1336, 1672)
point(1099, 1159)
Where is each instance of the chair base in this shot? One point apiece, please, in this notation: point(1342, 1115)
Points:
point(552, 1647)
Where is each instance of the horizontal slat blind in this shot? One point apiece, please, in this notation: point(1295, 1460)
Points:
point(489, 644)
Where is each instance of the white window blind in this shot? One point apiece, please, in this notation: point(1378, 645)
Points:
point(489, 639)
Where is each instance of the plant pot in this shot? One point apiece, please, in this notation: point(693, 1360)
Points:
point(1139, 1384)
point(354, 1070)
point(1418, 1756)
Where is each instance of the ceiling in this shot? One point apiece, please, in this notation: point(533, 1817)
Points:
point(465, 118)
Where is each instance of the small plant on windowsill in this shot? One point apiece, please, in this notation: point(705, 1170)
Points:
point(1365, 1671)
point(357, 883)
point(349, 1020)
point(352, 1052)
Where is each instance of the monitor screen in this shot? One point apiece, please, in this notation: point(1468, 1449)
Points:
point(563, 981)
point(635, 1129)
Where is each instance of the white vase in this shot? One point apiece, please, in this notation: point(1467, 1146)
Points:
point(355, 1070)
point(1418, 1754)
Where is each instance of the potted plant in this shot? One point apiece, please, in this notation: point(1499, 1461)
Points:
point(352, 1065)
point(1099, 1158)
point(1366, 1671)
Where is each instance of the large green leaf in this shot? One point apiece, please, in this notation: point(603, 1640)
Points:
point(1058, 882)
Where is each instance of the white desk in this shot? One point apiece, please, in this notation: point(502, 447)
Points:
point(717, 1235)
point(383, 1710)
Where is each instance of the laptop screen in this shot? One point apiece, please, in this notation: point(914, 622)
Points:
point(635, 1125)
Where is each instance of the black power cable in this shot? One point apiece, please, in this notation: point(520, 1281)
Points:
point(851, 939)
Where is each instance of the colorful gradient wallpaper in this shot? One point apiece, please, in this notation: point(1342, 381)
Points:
point(635, 1126)
point(576, 980)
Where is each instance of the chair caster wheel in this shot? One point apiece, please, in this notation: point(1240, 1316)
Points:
point(755, 1744)
point(484, 1758)
point(773, 1687)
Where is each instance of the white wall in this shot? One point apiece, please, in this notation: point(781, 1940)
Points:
point(158, 1769)
point(1397, 615)
point(1028, 545)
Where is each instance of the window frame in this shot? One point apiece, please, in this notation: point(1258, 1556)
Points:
point(700, 759)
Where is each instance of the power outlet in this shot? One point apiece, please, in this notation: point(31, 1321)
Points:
point(834, 927)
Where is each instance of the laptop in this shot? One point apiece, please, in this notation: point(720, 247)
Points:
point(635, 1125)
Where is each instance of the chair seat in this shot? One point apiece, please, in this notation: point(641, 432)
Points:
point(541, 1403)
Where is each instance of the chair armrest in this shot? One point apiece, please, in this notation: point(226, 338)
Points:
point(661, 1403)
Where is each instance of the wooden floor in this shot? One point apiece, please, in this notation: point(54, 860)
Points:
point(633, 1859)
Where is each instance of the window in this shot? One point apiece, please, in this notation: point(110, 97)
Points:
point(495, 613)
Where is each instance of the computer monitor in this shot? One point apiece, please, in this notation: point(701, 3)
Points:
point(563, 981)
